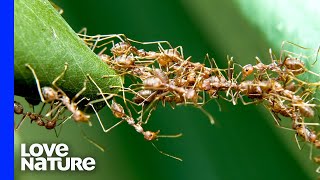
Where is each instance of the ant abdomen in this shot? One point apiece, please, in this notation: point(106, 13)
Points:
point(306, 111)
point(152, 83)
point(50, 124)
point(161, 75)
point(121, 48)
point(126, 61)
point(294, 65)
point(117, 110)
point(145, 96)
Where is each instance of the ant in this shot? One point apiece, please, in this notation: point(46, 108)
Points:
point(37, 117)
point(118, 112)
point(48, 94)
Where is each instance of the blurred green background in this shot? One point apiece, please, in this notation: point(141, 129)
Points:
point(243, 144)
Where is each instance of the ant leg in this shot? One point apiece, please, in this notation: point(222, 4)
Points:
point(54, 119)
point(247, 103)
point(166, 154)
point(316, 56)
point(99, 89)
point(310, 153)
point(151, 107)
point(295, 136)
point(167, 136)
point(181, 51)
point(207, 114)
point(105, 37)
point(95, 43)
point(299, 46)
point(80, 92)
point(60, 76)
point(102, 51)
point(83, 32)
point(123, 94)
point(21, 121)
point(238, 76)
point(219, 106)
point(304, 83)
point(291, 43)
point(42, 107)
point(233, 100)
point(149, 114)
point(37, 82)
point(230, 77)
point(275, 117)
point(215, 64)
point(207, 58)
point(65, 120)
point(309, 124)
point(230, 69)
point(101, 124)
point(273, 57)
point(53, 110)
point(56, 7)
point(84, 135)
point(123, 39)
point(100, 38)
point(154, 42)
point(104, 44)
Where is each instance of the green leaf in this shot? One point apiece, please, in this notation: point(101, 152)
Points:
point(45, 41)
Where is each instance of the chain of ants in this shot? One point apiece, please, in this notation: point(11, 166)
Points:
point(166, 76)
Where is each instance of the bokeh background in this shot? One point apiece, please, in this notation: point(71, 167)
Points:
point(243, 144)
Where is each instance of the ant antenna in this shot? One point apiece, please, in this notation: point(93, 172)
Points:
point(316, 56)
point(166, 154)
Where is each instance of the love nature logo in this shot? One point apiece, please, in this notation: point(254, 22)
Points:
point(42, 157)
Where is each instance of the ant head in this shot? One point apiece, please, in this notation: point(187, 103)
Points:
point(105, 58)
point(247, 70)
point(49, 94)
point(150, 136)
point(313, 137)
point(79, 116)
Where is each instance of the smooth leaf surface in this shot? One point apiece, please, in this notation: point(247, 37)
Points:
point(45, 41)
